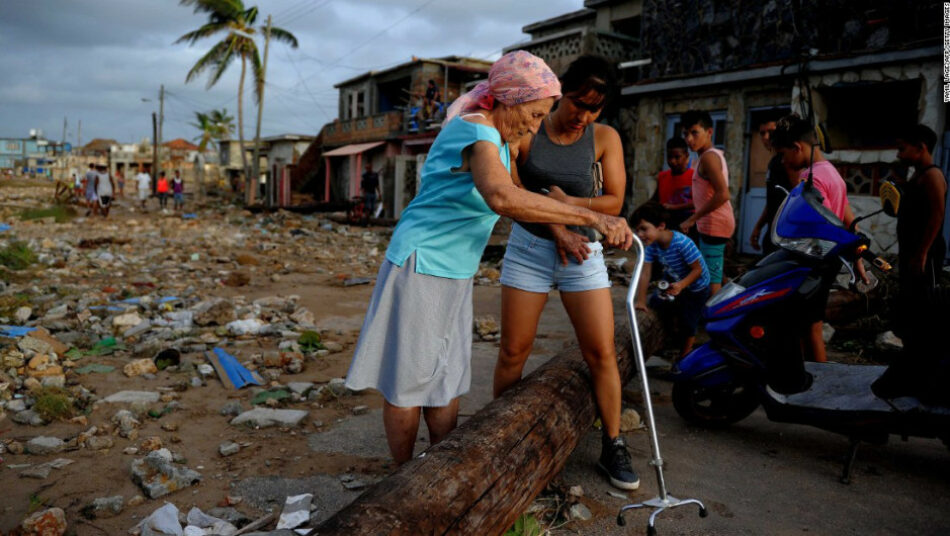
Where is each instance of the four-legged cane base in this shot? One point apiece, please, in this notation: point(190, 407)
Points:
point(660, 505)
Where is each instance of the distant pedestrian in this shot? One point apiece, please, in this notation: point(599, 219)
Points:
point(92, 205)
point(370, 187)
point(105, 190)
point(120, 182)
point(178, 191)
point(162, 189)
point(144, 183)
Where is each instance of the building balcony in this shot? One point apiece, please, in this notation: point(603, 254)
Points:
point(363, 129)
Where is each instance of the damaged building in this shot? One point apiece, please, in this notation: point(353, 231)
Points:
point(866, 69)
point(383, 121)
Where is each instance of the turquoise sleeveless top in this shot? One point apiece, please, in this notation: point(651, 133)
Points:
point(448, 223)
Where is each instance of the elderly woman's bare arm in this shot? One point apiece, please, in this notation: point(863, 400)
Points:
point(494, 184)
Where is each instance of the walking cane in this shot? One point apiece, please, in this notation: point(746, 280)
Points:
point(663, 501)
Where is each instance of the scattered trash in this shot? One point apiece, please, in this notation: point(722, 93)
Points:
point(189, 216)
point(170, 357)
point(95, 368)
point(264, 396)
point(296, 511)
point(15, 331)
point(353, 281)
point(4, 227)
point(164, 520)
point(233, 375)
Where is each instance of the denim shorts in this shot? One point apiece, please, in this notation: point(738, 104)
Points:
point(533, 265)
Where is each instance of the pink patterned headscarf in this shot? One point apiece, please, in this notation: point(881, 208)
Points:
point(516, 77)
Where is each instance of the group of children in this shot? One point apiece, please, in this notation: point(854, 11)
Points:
point(685, 227)
point(687, 223)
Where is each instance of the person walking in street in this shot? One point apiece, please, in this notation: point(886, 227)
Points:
point(178, 191)
point(105, 189)
point(415, 345)
point(92, 204)
point(162, 188)
point(143, 182)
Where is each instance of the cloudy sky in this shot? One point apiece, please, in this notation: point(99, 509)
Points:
point(96, 60)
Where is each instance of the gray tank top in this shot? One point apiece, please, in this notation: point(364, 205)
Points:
point(566, 166)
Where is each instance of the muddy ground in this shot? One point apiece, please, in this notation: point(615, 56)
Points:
point(757, 477)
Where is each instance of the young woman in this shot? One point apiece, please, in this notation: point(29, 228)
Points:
point(558, 160)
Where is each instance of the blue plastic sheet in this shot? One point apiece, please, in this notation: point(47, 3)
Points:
point(189, 216)
point(4, 227)
point(15, 331)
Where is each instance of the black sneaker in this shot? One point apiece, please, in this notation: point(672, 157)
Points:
point(615, 461)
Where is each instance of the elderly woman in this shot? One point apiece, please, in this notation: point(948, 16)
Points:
point(416, 343)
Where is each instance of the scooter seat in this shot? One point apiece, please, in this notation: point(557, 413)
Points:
point(841, 387)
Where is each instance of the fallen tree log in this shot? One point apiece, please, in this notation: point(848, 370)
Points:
point(489, 470)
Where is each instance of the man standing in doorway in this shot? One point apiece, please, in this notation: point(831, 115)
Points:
point(370, 187)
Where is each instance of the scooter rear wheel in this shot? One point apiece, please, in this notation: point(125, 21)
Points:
point(714, 407)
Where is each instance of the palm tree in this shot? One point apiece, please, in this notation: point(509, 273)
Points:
point(214, 125)
point(231, 18)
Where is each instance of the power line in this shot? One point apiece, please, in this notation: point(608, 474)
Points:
point(336, 62)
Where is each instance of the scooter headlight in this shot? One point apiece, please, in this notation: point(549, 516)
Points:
point(813, 247)
point(727, 292)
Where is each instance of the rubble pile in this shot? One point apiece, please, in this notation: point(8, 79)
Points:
point(149, 300)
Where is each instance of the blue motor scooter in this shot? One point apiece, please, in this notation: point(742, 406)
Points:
point(754, 355)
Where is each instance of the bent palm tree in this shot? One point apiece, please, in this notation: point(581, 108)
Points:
point(214, 125)
point(231, 18)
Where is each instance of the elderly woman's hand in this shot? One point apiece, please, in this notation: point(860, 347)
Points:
point(615, 230)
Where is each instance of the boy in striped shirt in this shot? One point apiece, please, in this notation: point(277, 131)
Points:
point(683, 267)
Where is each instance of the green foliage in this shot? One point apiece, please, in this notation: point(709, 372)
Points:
point(309, 342)
point(264, 395)
point(526, 525)
point(36, 502)
point(54, 403)
point(62, 213)
point(17, 255)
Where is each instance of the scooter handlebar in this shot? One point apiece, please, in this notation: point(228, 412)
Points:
point(874, 259)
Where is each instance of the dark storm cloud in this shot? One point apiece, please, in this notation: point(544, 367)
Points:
point(97, 60)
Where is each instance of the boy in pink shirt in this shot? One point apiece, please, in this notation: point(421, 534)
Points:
point(795, 139)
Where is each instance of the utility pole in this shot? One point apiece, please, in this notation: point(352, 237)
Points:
point(79, 135)
point(154, 152)
point(62, 149)
point(158, 143)
point(256, 164)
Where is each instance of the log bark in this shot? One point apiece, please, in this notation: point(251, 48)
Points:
point(489, 470)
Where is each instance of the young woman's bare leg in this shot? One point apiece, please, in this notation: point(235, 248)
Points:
point(592, 315)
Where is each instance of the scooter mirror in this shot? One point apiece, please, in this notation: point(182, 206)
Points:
point(890, 196)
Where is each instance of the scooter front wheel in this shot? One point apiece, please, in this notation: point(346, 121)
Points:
point(715, 406)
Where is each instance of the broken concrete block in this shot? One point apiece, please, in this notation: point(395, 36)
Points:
point(228, 448)
point(132, 397)
point(139, 367)
point(265, 417)
point(45, 445)
point(158, 476)
point(51, 522)
point(218, 312)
